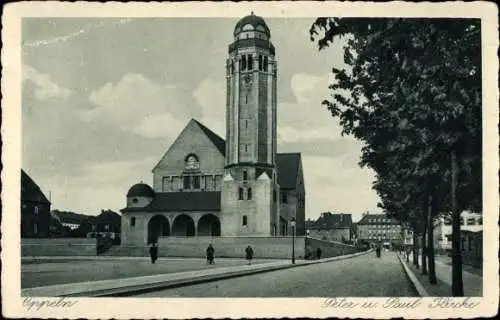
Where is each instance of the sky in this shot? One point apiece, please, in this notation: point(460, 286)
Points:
point(103, 99)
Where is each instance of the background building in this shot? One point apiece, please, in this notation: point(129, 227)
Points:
point(407, 237)
point(35, 209)
point(332, 227)
point(469, 221)
point(379, 228)
point(205, 186)
point(69, 219)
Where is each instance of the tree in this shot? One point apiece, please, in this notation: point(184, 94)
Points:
point(412, 93)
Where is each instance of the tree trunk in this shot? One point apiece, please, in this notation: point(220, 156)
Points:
point(407, 252)
point(424, 247)
point(430, 243)
point(457, 286)
point(415, 249)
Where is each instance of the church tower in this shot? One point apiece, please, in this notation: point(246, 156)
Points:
point(249, 204)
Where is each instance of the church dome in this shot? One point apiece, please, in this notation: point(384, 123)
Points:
point(255, 21)
point(141, 190)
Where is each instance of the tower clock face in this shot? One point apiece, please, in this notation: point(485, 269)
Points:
point(247, 79)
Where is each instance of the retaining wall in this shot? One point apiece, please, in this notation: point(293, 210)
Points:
point(329, 249)
point(231, 247)
point(225, 247)
point(58, 247)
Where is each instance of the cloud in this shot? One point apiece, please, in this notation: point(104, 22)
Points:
point(139, 105)
point(334, 181)
point(306, 119)
point(112, 179)
point(339, 185)
point(159, 126)
point(69, 36)
point(210, 95)
point(46, 88)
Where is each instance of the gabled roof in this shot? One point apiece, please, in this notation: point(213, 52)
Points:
point(329, 220)
point(288, 169)
point(377, 219)
point(30, 191)
point(217, 141)
point(182, 201)
point(287, 164)
point(214, 137)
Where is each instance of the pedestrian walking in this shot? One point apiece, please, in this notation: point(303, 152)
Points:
point(210, 254)
point(318, 253)
point(249, 254)
point(153, 252)
point(378, 250)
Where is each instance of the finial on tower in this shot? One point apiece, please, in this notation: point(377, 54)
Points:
point(252, 13)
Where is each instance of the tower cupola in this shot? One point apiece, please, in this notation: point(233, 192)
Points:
point(252, 24)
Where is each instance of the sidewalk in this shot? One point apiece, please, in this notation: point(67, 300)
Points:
point(473, 284)
point(129, 286)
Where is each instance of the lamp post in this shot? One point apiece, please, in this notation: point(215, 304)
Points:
point(292, 223)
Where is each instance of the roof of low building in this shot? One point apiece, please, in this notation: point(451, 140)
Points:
point(182, 201)
point(329, 220)
point(69, 217)
point(141, 190)
point(377, 219)
point(108, 216)
point(30, 191)
point(288, 169)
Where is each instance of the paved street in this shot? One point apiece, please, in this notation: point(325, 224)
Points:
point(356, 277)
point(58, 271)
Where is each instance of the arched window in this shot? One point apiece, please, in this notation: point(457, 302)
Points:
point(243, 62)
point(196, 182)
point(240, 194)
point(260, 62)
point(274, 195)
point(187, 182)
point(245, 175)
point(249, 194)
point(265, 63)
point(250, 62)
point(132, 221)
point(245, 221)
point(192, 162)
point(284, 198)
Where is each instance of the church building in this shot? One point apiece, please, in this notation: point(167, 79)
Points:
point(238, 187)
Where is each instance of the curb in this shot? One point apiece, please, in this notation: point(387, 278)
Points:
point(128, 290)
point(148, 287)
point(413, 279)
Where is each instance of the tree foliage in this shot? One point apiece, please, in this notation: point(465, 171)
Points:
point(411, 92)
